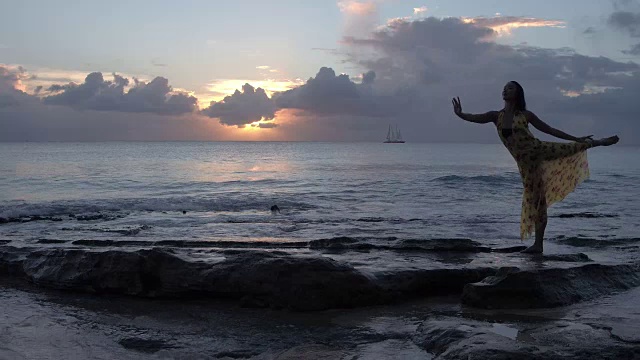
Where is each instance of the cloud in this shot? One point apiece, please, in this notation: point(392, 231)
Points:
point(242, 108)
point(357, 8)
point(222, 87)
point(421, 64)
point(360, 17)
point(633, 50)
point(420, 10)
point(12, 87)
point(97, 94)
point(410, 70)
point(331, 94)
point(626, 19)
point(503, 25)
point(267, 125)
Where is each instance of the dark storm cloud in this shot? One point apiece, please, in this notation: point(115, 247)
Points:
point(97, 94)
point(242, 108)
point(269, 125)
point(331, 94)
point(626, 19)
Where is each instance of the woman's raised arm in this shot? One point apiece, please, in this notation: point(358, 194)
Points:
point(487, 117)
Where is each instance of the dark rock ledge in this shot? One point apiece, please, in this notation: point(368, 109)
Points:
point(280, 280)
point(454, 338)
point(512, 288)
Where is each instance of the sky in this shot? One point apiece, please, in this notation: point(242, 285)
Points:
point(312, 70)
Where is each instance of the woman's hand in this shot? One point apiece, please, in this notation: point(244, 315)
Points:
point(457, 106)
point(584, 139)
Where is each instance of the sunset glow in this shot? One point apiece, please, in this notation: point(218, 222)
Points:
point(504, 25)
point(221, 88)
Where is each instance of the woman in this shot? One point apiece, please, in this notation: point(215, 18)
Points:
point(549, 170)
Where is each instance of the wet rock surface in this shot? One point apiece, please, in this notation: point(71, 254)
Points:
point(513, 288)
point(37, 324)
point(453, 338)
point(318, 280)
point(339, 298)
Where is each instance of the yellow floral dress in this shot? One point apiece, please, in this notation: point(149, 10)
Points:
point(549, 170)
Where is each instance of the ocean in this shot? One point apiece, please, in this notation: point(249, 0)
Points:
point(223, 191)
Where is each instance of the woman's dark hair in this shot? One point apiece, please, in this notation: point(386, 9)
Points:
point(521, 104)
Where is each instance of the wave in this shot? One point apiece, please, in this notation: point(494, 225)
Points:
point(588, 215)
point(508, 178)
point(596, 242)
point(395, 244)
point(229, 202)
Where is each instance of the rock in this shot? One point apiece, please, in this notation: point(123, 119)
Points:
point(511, 249)
point(144, 345)
point(431, 282)
point(278, 279)
point(452, 338)
point(311, 351)
point(299, 283)
point(579, 257)
point(459, 339)
point(436, 245)
point(11, 259)
point(513, 288)
point(259, 278)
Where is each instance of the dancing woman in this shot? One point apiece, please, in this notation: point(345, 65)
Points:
point(549, 170)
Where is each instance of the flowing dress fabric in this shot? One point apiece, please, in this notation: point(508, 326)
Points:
point(549, 170)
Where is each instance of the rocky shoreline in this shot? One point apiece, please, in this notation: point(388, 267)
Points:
point(340, 274)
point(305, 282)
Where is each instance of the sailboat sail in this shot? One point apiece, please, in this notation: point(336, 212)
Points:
point(394, 136)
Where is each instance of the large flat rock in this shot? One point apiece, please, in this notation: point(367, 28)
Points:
point(542, 288)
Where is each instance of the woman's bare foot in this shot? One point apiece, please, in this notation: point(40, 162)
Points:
point(533, 249)
point(606, 141)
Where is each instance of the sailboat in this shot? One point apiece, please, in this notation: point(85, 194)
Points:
point(394, 136)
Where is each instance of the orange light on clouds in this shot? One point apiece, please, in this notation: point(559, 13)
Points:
point(359, 8)
point(221, 88)
point(420, 10)
point(504, 25)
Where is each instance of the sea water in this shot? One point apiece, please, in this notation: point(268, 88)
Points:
point(223, 192)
